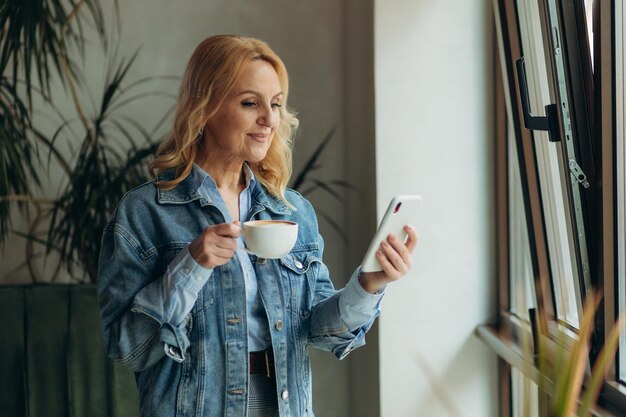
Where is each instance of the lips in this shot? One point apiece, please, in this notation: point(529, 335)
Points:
point(259, 137)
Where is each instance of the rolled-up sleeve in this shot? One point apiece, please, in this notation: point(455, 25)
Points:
point(182, 283)
point(144, 317)
point(328, 330)
point(357, 306)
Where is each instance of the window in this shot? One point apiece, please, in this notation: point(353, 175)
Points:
point(553, 177)
point(528, 393)
point(561, 182)
point(522, 290)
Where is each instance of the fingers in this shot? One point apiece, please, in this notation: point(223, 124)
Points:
point(388, 268)
point(221, 236)
point(209, 256)
point(216, 245)
point(232, 230)
point(412, 238)
point(222, 252)
point(395, 256)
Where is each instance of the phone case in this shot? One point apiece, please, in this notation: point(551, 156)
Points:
point(402, 210)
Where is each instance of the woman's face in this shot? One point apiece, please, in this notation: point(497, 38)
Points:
point(244, 126)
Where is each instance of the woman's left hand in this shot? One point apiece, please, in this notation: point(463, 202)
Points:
point(394, 257)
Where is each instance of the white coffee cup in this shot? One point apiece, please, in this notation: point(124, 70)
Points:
point(270, 239)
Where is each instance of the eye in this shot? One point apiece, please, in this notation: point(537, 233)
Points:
point(276, 105)
point(248, 104)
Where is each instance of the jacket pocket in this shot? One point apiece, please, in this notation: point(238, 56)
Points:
point(299, 271)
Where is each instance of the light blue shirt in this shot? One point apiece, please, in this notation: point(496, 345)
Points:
point(185, 278)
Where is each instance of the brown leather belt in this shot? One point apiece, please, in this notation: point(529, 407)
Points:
point(262, 362)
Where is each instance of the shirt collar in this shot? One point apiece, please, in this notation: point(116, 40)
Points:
point(202, 179)
point(187, 191)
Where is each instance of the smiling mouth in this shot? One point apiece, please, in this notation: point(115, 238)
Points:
point(259, 137)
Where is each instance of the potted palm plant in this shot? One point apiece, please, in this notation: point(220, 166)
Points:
point(42, 44)
point(55, 352)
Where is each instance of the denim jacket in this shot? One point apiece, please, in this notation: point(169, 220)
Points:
point(200, 367)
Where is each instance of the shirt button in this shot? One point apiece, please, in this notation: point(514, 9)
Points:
point(279, 325)
point(285, 394)
point(186, 271)
point(299, 265)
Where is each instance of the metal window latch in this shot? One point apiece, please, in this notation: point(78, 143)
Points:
point(549, 122)
point(578, 173)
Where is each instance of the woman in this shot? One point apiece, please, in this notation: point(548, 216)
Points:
point(208, 329)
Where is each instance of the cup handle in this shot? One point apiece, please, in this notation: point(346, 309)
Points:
point(259, 260)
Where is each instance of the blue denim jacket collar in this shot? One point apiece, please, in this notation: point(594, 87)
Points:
point(187, 191)
point(203, 179)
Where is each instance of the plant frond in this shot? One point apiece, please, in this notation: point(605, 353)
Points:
point(334, 225)
point(36, 34)
point(310, 165)
point(601, 367)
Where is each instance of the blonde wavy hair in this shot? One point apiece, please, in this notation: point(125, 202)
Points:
point(208, 80)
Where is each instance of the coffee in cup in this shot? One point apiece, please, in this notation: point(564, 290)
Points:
point(270, 239)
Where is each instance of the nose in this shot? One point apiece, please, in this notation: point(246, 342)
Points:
point(269, 117)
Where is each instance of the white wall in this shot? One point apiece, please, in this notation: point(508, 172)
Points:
point(433, 138)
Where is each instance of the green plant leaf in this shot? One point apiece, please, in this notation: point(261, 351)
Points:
point(36, 33)
point(37, 36)
point(335, 225)
point(18, 156)
point(110, 161)
point(305, 184)
point(601, 368)
point(569, 380)
point(310, 165)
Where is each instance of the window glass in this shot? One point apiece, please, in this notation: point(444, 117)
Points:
point(620, 134)
point(522, 289)
point(525, 395)
point(552, 180)
point(589, 19)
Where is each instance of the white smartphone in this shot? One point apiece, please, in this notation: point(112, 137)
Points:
point(402, 211)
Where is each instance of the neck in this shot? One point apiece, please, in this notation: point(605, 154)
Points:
point(228, 175)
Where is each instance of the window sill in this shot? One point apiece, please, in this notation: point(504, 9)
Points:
point(613, 395)
point(507, 349)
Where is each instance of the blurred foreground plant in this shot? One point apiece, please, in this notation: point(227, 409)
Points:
point(575, 393)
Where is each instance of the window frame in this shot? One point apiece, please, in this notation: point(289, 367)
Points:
point(596, 139)
point(619, 103)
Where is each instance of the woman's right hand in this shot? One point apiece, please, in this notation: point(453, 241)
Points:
point(216, 244)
